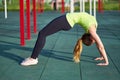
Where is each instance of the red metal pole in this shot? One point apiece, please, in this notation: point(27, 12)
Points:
point(100, 6)
point(34, 16)
point(22, 39)
point(28, 19)
point(63, 6)
point(41, 6)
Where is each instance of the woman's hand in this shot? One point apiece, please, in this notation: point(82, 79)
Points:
point(99, 58)
point(101, 64)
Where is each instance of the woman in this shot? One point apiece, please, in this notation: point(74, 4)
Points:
point(66, 22)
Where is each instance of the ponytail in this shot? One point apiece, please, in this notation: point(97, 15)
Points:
point(77, 51)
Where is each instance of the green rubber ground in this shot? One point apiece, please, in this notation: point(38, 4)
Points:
point(55, 60)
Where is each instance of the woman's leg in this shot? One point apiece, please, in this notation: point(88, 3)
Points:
point(56, 25)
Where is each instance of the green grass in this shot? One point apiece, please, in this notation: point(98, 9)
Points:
point(106, 6)
point(112, 6)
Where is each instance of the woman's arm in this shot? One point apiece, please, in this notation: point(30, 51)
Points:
point(99, 45)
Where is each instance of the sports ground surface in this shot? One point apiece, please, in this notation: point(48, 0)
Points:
point(55, 60)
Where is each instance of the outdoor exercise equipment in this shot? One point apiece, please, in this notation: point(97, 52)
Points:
point(63, 6)
point(5, 8)
point(82, 6)
point(22, 27)
point(100, 6)
point(22, 40)
point(40, 6)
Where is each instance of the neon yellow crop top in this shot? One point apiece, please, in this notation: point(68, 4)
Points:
point(83, 19)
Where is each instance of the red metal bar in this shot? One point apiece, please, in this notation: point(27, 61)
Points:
point(28, 19)
point(22, 39)
point(63, 6)
point(42, 3)
point(40, 6)
point(34, 16)
point(100, 6)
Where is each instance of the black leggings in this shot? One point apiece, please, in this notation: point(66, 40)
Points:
point(54, 26)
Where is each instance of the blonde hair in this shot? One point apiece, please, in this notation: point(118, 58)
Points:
point(85, 39)
point(78, 51)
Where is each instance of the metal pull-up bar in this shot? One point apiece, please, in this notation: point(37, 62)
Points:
point(5, 8)
point(82, 6)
